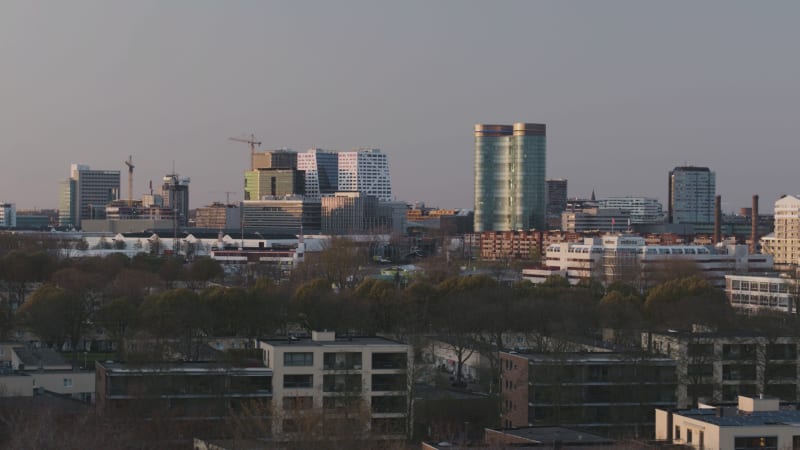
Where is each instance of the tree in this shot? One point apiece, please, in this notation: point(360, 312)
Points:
point(684, 301)
point(55, 315)
point(180, 315)
point(203, 270)
point(118, 318)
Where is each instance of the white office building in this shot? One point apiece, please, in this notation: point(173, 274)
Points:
point(629, 259)
point(640, 209)
point(322, 171)
point(365, 171)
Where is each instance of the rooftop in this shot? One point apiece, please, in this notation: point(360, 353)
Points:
point(550, 435)
point(337, 342)
point(737, 418)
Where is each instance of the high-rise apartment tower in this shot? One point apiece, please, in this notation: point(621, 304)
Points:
point(510, 163)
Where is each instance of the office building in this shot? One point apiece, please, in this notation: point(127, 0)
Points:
point(8, 215)
point(175, 191)
point(752, 292)
point(273, 182)
point(784, 243)
point(691, 195)
point(86, 193)
point(334, 374)
point(218, 216)
point(641, 210)
point(321, 169)
point(510, 177)
point(754, 423)
point(630, 259)
point(274, 159)
point(605, 220)
point(290, 215)
point(365, 171)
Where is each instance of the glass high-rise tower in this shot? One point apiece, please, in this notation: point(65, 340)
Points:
point(510, 163)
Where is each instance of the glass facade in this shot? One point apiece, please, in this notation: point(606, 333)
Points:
point(510, 177)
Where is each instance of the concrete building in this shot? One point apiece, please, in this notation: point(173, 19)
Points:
point(200, 396)
point(762, 292)
point(599, 392)
point(26, 371)
point(86, 193)
point(218, 216)
point(282, 215)
point(274, 159)
point(691, 195)
point(719, 367)
point(510, 164)
point(592, 219)
point(332, 374)
point(640, 209)
point(350, 213)
point(321, 169)
point(755, 423)
point(365, 170)
point(260, 183)
point(511, 245)
point(8, 215)
point(175, 192)
point(630, 259)
point(784, 243)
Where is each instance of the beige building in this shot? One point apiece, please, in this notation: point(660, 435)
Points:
point(335, 375)
point(755, 423)
point(784, 243)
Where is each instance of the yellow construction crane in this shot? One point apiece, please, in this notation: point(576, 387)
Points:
point(253, 142)
point(129, 163)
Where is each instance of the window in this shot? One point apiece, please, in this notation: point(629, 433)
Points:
point(298, 359)
point(67, 382)
point(298, 381)
point(689, 435)
point(677, 432)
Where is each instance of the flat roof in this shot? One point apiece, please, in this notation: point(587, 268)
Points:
point(177, 367)
point(552, 434)
point(737, 418)
point(593, 357)
point(355, 341)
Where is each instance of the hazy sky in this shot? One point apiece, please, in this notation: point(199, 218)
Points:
point(628, 90)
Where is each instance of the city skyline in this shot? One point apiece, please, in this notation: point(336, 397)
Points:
point(628, 91)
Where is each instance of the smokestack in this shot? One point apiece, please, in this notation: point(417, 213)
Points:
point(717, 219)
point(754, 226)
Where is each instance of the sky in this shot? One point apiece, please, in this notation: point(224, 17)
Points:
point(628, 90)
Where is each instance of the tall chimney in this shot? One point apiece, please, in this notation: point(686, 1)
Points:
point(754, 226)
point(717, 219)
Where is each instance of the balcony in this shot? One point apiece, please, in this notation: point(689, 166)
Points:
point(342, 361)
point(394, 361)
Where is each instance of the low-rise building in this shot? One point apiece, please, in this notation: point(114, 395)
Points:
point(765, 292)
point(755, 423)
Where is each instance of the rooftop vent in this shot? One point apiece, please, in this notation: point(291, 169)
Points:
point(323, 336)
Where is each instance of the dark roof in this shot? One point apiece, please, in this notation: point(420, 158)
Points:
point(36, 357)
point(550, 435)
point(743, 419)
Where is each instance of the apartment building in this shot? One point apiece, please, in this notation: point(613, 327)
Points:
point(721, 366)
point(784, 243)
point(352, 378)
point(600, 392)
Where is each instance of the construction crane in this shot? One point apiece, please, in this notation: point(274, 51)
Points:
point(253, 142)
point(129, 163)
